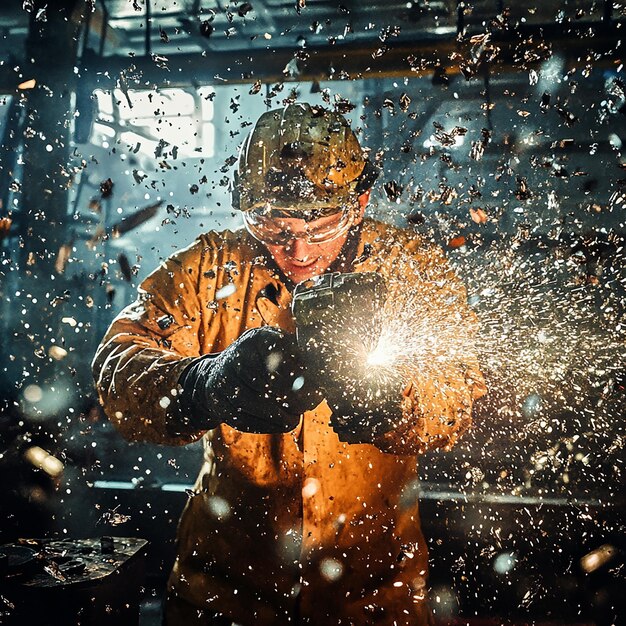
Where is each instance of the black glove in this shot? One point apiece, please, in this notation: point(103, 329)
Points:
point(365, 400)
point(255, 386)
point(364, 407)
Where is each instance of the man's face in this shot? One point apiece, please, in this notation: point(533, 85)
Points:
point(299, 259)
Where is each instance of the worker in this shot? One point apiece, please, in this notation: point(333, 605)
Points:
point(290, 521)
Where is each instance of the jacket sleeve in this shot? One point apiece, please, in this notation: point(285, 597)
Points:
point(443, 372)
point(149, 344)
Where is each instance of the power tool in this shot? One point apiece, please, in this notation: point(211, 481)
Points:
point(338, 322)
point(337, 317)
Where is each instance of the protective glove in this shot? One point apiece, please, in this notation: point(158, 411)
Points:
point(255, 386)
point(366, 407)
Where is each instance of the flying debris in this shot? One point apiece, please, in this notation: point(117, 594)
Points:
point(244, 8)
point(478, 147)
point(106, 188)
point(125, 268)
point(5, 226)
point(160, 61)
point(393, 191)
point(206, 28)
point(457, 242)
point(478, 216)
point(113, 518)
point(343, 105)
point(135, 219)
point(447, 139)
point(522, 191)
point(27, 84)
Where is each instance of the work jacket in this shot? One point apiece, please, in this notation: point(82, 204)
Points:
point(296, 527)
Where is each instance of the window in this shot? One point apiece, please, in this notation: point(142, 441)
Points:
point(167, 122)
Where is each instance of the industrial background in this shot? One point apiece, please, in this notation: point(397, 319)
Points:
point(499, 130)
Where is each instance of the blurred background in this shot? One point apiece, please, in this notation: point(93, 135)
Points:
point(499, 132)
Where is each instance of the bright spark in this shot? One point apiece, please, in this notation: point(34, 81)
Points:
point(548, 341)
point(414, 339)
point(381, 356)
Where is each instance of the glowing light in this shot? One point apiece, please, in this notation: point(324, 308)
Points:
point(43, 460)
point(331, 569)
point(310, 488)
point(597, 558)
point(381, 356)
point(505, 562)
point(219, 507)
point(542, 343)
point(33, 393)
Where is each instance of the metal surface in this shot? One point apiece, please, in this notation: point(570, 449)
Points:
point(85, 581)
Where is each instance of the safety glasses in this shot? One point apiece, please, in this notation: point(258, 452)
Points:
point(278, 226)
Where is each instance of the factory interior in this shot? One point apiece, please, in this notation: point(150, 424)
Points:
point(497, 128)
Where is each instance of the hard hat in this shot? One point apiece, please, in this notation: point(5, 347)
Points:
point(301, 157)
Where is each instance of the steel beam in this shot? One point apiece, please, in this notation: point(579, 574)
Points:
point(362, 59)
point(346, 61)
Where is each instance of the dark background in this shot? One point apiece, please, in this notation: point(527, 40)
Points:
point(526, 196)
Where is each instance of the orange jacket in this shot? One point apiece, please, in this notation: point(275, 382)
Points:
point(299, 518)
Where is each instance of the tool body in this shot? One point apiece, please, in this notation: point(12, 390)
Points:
point(338, 322)
point(336, 317)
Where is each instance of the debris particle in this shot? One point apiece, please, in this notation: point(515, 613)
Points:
point(125, 268)
point(244, 9)
point(106, 188)
point(343, 105)
point(160, 61)
point(113, 518)
point(27, 84)
point(165, 322)
point(57, 353)
point(393, 191)
point(457, 242)
point(5, 227)
point(522, 191)
point(225, 291)
point(478, 216)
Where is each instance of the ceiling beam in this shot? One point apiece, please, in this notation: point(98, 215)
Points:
point(519, 50)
